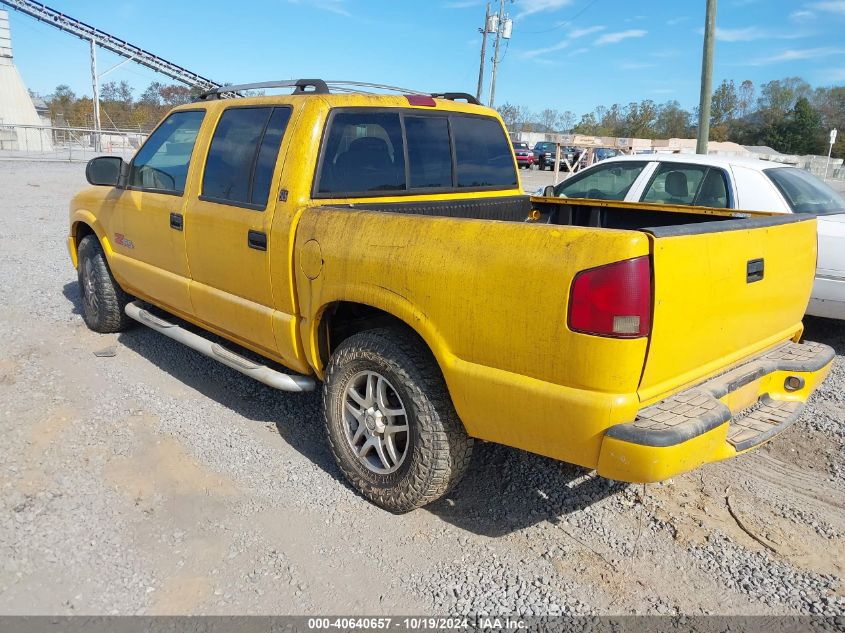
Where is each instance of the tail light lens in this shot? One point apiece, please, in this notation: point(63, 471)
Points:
point(613, 300)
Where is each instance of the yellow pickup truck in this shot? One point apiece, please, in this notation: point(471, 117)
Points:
point(382, 244)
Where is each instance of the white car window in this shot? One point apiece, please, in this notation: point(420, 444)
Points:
point(608, 181)
point(805, 193)
point(685, 184)
point(755, 192)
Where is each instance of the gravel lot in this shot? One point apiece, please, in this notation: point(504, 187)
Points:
point(159, 482)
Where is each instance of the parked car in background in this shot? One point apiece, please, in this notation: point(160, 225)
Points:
point(544, 155)
point(730, 183)
point(523, 153)
point(603, 153)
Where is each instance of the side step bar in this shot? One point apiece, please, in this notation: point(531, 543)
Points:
point(261, 373)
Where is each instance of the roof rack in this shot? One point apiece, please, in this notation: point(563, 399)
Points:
point(319, 86)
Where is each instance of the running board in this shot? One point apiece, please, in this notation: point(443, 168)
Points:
point(261, 373)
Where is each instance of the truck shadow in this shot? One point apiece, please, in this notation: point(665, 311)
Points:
point(72, 293)
point(506, 490)
point(828, 331)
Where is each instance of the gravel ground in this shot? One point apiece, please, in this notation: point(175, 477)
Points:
point(159, 482)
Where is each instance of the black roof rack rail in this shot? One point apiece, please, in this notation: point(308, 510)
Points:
point(321, 87)
point(300, 86)
point(454, 96)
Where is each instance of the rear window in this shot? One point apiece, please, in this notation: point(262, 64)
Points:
point(376, 152)
point(242, 156)
point(520, 145)
point(805, 193)
point(429, 153)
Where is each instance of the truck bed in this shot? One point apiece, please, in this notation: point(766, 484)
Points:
point(657, 219)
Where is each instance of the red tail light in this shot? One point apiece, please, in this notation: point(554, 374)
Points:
point(613, 300)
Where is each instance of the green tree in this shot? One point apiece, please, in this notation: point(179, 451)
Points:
point(745, 98)
point(640, 119)
point(800, 132)
point(725, 103)
point(830, 104)
point(587, 125)
point(672, 121)
point(778, 98)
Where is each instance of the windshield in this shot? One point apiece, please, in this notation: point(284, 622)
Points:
point(805, 193)
point(520, 145)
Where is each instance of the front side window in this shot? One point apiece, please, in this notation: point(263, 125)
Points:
point(610, 181)
point(482, 153)
point(695, 185)
point(805, 193)
point(162, 164)
point(242, 156)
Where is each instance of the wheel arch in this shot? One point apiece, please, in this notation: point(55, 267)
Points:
point(337, 320)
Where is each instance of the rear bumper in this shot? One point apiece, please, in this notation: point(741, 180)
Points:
point(717, 419)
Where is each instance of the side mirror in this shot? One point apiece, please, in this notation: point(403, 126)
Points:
point(549, 191)
point(104, 171)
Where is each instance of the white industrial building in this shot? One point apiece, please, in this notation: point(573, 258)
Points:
point(21, 128)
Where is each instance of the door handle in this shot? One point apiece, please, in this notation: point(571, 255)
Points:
point(177, 221)
point(257, 240)
point(754, 270)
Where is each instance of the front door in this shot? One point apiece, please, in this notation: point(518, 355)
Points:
point(228, 225)
point(149, 238)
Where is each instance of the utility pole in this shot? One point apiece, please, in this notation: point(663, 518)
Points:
point(484, 31)
point(500, 23)
point(706, 79)
point(95, 84)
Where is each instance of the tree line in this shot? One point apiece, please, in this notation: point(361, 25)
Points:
point(119, 108)
point(788, 115)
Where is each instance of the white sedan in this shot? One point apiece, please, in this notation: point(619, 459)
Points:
point(729, 183)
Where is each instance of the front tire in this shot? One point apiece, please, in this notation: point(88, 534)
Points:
point(390, 421)
point(103, 300)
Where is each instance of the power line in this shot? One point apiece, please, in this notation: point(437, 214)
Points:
point(567, 22)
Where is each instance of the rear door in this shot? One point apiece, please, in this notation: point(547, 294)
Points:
point(723, 291)
point(228, 224)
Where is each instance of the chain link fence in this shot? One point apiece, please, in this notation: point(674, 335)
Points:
point(49, 143)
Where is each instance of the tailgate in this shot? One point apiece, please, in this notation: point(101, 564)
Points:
point(722, 292)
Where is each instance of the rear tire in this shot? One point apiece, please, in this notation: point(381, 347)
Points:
point(103, 300)
point(390, 421)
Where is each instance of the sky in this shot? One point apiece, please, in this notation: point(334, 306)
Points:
point(563, 54)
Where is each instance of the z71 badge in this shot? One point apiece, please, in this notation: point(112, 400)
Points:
point(120, 240)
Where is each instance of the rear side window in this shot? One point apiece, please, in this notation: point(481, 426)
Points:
point(482, 153)
point(804, 192)
point(697, 185)
point(161, 165)
point(242, 156)
point(370, 153)
point(606, 182)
